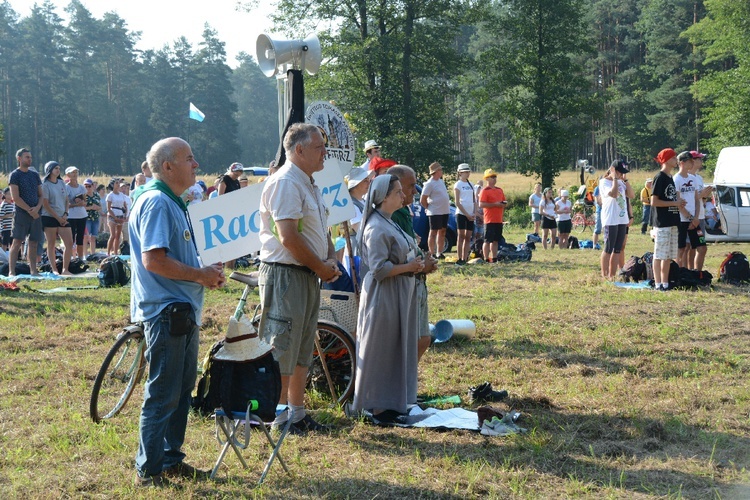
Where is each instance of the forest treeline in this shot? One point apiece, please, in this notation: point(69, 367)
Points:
point(525, 85)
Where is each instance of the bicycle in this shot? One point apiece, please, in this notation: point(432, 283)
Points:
point(584, 217)
point(124, 366)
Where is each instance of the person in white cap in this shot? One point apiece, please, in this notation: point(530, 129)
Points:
point(77, 213)
point(231, 180)
point(466, 205)
point(372, 150)
point(563, 207)
point(694, 257)
point(357, 181)
point(437, 205)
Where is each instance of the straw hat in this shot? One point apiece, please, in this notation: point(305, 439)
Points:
point(242, 342)
point(489, 173)
point(434, 167)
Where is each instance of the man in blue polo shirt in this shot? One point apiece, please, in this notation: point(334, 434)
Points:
point(167, 297)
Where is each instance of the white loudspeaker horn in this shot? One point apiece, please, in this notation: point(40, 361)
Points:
point(301, 54)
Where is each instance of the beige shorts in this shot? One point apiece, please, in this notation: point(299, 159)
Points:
point(423, 321)
point(290, 299)
point(665, 243)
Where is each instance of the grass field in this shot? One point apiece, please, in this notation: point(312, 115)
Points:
point(626, 394)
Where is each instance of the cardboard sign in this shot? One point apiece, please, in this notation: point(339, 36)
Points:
point(228, 226)
point(336, 132)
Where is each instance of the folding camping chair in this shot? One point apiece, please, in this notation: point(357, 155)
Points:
point(233, 431)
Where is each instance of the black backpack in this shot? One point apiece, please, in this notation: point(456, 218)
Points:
point(78, 266)
point(230, 385)
point(573, 243)
point(21, 268)
point(691, 279)
point(648, 260)
point(735, 269)
point(124, 248)
point(113, 271)
point(634, 269)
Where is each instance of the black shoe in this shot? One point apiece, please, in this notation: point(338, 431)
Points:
point(389, 417)
point(484, 392)
point(440, 256)
point(187, 471)
point(155, 481)
point(305, 425)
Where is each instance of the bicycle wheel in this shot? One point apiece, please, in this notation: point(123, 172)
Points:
point(121, 372)
point(332, 369)
point(579, 222)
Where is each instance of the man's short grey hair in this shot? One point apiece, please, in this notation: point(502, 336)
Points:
point(163, 150)
point(401, 171)
point(299, 133)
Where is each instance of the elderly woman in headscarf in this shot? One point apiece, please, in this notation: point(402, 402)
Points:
point(387, 333)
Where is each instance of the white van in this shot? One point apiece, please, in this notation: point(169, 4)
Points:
point(732, 195)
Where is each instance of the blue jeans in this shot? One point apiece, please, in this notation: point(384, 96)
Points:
point(646, 218)
point(173, 364)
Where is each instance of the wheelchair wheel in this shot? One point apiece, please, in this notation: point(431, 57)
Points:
point(332, 369)
point(120, 374)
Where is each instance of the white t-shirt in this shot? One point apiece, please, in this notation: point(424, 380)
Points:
point(120, 203)
point(614, 210)
point(196, 191)
point(466, 197)
point(699, 187)
point(547, 209)
point(534, 201)
point(76, 212)
point(560, 204)
point(686, 186)
point(438, 201)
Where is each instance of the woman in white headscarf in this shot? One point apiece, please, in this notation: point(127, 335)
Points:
point(387, 333)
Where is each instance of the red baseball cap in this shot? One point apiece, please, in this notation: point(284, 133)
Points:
point(378, 163)
point(696, 154)
point(665, 155)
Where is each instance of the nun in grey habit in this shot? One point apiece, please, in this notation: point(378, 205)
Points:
point(387, 335)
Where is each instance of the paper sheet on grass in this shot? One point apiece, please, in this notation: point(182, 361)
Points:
point(454, 418)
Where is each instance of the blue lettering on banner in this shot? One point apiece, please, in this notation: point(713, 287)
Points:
point(238, 227)
point(335, 190)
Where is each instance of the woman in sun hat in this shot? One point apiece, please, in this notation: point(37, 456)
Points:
point(466, 208)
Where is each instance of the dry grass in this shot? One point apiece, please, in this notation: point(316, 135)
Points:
point(627, 394)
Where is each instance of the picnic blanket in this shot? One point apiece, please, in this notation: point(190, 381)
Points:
point(639, 285)
point(453, 418)
point(48, 276)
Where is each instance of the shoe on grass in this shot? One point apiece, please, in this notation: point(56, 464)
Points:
point(155, 481)
point(306, 425)
point(187, 471)
point(484, 392)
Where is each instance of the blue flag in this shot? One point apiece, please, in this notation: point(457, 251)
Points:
point(195, 113)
